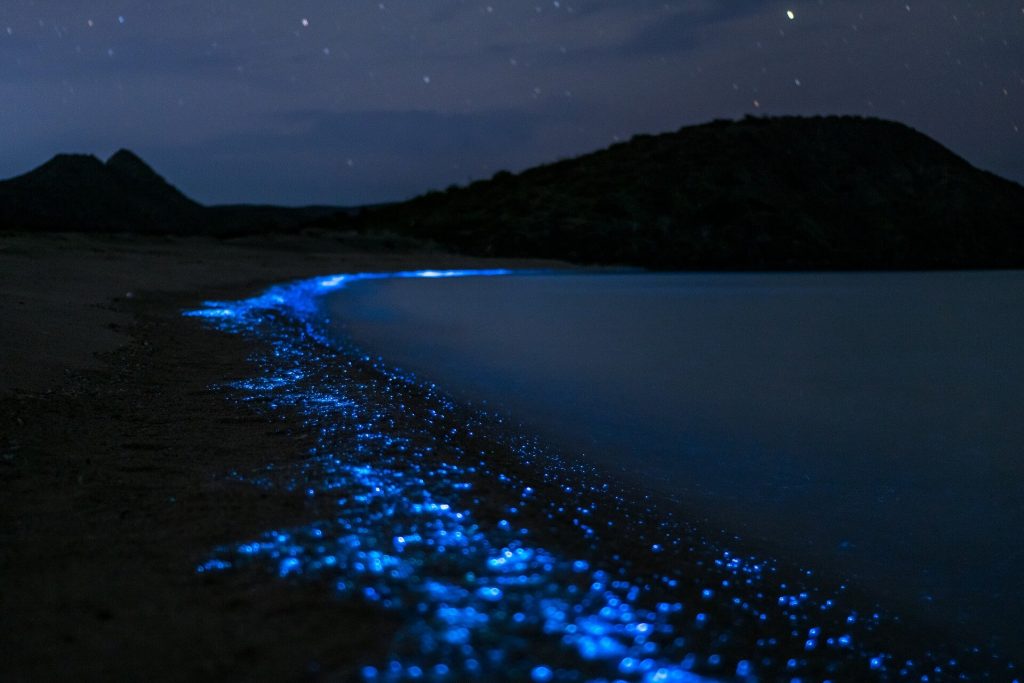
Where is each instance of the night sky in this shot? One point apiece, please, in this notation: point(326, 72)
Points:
point(358, 101)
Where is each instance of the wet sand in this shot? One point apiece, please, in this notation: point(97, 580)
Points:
point(113, 455)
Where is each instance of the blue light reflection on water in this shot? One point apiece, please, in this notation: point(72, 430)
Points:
point(414, 479)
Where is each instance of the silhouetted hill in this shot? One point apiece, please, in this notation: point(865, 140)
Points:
point(80, 193)
point(773, 193)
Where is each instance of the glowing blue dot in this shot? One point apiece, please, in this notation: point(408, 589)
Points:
point(541, 674)
point(288, 566)
point(490, 593)
point(213, 565)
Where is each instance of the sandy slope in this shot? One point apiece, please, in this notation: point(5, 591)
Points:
point(113, 451)
point(56, 291)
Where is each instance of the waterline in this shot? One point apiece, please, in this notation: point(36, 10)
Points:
point(507, 561)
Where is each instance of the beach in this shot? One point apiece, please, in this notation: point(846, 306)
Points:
point(114, 447)
point(198, 485)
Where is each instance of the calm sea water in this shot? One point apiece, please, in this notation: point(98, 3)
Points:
point(870, 426)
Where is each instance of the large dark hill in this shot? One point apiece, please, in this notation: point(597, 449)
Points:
point(80, 193)
point(77, 192)
point(773, 193)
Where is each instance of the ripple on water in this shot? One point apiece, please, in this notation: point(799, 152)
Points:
point(506, 561)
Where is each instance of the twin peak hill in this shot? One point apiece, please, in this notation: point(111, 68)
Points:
point(760, 193)
point(81, 193)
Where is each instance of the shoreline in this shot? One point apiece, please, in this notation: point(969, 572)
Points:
point(574, 359)
point(388, 439)
point(112, 505)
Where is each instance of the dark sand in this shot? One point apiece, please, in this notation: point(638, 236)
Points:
point(113, 455)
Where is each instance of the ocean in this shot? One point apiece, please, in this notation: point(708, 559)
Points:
point(868, 426)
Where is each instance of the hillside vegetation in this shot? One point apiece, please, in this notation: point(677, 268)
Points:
point(774, 193)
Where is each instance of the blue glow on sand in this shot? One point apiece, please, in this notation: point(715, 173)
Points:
point(504, 560)
point(300, 297)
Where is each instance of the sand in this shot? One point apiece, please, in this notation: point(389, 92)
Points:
point(113, 451)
